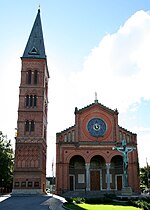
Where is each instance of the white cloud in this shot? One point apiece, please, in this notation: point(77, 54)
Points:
point(143, 148)
point(118, 69)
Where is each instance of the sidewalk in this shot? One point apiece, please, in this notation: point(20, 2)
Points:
point(56, 202)
point(4, 197)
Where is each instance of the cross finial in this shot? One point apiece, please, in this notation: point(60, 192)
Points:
point(39, 8)
point(96, 101)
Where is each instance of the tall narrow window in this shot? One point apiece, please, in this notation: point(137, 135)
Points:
point(44, 132)
point(69, 137)
point(72, 136)
point(45, 108)
point(29, 77)
point(35, 77)
point(124, 136)
point(65, 138)
point(27, 125)
point(35, 99)
point(46, 88)
point(27, 101)
point(32, 126)
point(128, 139)
point(31, 101)
point(120, 136)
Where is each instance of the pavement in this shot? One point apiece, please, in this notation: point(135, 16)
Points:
point(29, 202)
point(56, 203)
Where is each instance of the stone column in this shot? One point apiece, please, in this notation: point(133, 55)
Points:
point(108, 176)
point(87, 167)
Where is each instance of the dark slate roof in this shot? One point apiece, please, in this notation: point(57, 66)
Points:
point(35, 46)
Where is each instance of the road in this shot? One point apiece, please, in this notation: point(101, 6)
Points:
point(26, 202)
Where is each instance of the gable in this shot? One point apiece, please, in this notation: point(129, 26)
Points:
point(96, 123)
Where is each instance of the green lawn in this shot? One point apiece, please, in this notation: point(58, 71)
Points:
point(100, 207)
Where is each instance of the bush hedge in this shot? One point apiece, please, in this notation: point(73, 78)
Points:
point(143, 203)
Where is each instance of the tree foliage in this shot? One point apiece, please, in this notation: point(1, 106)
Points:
point(145, 176)
point(6, 161)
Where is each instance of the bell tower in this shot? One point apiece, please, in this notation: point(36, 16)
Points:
point(31, 138)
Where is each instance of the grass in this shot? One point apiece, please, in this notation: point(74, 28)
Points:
point(99, 207)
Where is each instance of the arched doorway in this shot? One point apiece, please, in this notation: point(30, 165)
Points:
point(116, 171)
point(77, 173)
point(97, 173)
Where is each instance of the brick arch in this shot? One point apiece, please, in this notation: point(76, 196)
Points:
point(68, 158)
point(114, 154)
point(96, 153)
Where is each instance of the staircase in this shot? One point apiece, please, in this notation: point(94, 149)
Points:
point(88, 194)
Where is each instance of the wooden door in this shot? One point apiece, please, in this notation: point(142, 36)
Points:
point(95, 180)
point(71, 183)
point(119, 182)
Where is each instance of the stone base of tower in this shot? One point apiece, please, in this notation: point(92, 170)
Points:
point(31, 182)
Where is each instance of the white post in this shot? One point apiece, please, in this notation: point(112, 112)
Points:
point(87, 167)
point(108, 175)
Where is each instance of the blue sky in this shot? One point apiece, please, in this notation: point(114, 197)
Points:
point(91, 45)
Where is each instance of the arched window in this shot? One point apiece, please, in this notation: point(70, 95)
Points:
point(72, 136)
point(27, 125)
point(124, 136)
point(31, 101)
point(46, 88)
point(29, 77)
point(69, 137)
point(32, 126)
point(44, 132)
point(35, 77)
point(121, 136)
point(27, 101)
point(35, 99)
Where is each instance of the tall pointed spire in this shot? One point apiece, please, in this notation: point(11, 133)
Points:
point(35, 46)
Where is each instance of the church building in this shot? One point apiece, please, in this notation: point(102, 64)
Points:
point(86, 160)
point(31, 138)
point(89, 155)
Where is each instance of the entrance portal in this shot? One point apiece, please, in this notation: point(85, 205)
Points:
point(119, 182)
point(71, 183)
point(95, 180)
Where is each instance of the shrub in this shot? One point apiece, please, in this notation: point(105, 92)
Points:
point(143, 204)
point(69, 200)
point(111, 196)
point(79, 200)
point(101, 200)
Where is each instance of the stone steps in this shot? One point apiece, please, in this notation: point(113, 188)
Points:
point(89, 194)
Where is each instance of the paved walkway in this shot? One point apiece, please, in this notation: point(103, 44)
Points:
point(56, 203)
point(50, 201)
point(4, 197)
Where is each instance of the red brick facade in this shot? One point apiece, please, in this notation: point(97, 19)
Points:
point(30, 154)
point(31, 139)
point(85, 162)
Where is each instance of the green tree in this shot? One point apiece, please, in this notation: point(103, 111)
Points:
point(145, 176)
point(6, 162)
